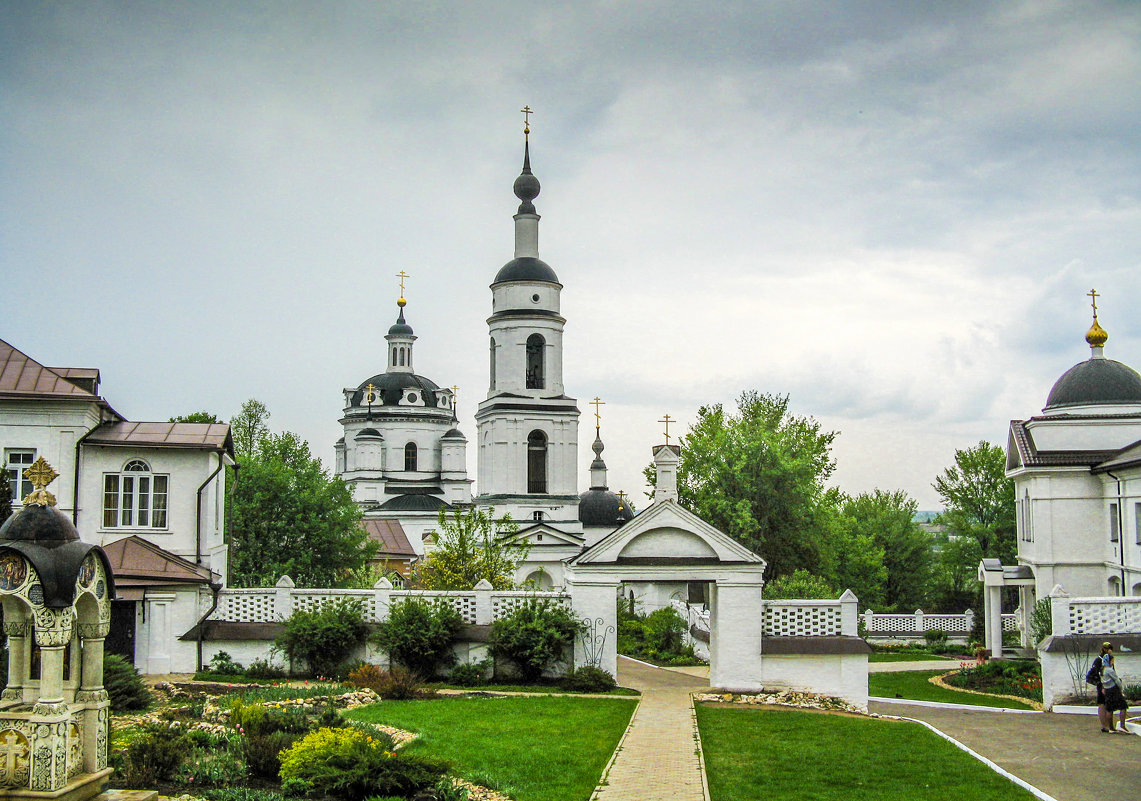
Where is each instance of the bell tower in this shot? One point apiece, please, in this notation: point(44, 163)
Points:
point(527, 426)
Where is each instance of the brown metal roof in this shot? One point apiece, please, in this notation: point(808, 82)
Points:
point(1030, 456)
point(390, 536)
point(86, 378)
point(137, 562)
point(1129, 456)
point(213, 436)
point(22, 375)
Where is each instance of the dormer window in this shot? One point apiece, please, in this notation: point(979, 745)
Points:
point(135, 497)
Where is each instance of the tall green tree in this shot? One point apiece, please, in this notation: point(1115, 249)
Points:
point(290, 517)
point(197, 417)
point(852, 559)
point(954, 579)
point(887, 519)
point(978, 500)
point(759, 475)
point(469, 546)
point(249, 427)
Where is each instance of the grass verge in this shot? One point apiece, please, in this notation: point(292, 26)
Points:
point(533, 748)
point(544, 689)
point(762, 754)
point(914, 685)
point(907, 656)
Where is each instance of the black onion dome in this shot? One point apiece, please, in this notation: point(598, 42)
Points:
point(390, 387)
point(526, 268)
point(400, 328)
point(599, 507)
point(526, 186)
point(415, 503)
point(46, 537)
point(1096, 382)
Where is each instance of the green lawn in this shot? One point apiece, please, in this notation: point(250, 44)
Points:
point(914, 684)
point(533, 748)
point(545, 689)
point(799, 756)
point(906, 656)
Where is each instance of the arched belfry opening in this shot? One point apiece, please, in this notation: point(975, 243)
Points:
point(536, 376)
point(536, 462)
point(410, 457)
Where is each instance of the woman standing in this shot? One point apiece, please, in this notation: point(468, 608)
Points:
point(1114, 697)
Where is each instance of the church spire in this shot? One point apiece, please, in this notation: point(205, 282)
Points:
point(526, 189)
point(1096, 336)
point(400, 337)
point(597, 467)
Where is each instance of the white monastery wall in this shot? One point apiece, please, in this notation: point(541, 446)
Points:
point(842, 675)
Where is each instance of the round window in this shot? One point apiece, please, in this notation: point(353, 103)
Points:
point(535, 298)
point(411, 397)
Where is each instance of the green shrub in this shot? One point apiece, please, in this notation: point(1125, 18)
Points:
point(241, 794)
point(534, 636)
point(222, 662)
point(153, 757)
point(664, 630)
point(1004, 677)
point(1132, 692)
point(419, 634)
point(263, 669)
point(323, 639)
point(296, 788)
point(470, 674)
point(1041, 620)
point(395, 684)
point(254, 719)
point(210, 768)
point(352, 765)
point(658, 637)
point(125, 687)
point(936, 638)
point(263, 752)
point(589, 679)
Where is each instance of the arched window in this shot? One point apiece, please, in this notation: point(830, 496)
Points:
point(536, 462)
point(401, 356)
point(493, 362)
point(410, 457)
point(135, 497)
point(536, 346)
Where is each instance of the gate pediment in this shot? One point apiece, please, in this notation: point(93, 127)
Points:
point(667, 534)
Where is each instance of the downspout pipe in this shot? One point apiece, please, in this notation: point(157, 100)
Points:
point(1120, 531)
point(198, 510)
point(215, 589)
point(75, 485)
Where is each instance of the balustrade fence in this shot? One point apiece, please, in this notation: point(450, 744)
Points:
point(481, 606)
point(788, 618)
point(1114, 615)
point(919, 623)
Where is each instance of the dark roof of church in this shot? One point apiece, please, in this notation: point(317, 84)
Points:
point(601, 507)
point(526, 268)
point(1030, 456)
point(1096, 381)
point(392, 386)
point(417, 502)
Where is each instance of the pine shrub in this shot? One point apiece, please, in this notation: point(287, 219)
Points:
point(125, 687)
point(154, 757)
point(263, 752)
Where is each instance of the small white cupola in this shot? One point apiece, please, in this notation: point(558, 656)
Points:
point(400, 339)
point(666, 458)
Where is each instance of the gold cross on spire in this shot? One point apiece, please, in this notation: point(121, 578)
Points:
point(1093, 301)
point(667, 420)
point(527, 112)
point(597, 417)
point(370, 397)
point(455, 394)
point(40, 474)
point(402, 275)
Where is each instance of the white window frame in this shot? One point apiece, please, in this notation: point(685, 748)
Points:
point(136, 497)
point(15, 471)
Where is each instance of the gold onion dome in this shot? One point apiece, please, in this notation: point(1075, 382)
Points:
point(1096, 336)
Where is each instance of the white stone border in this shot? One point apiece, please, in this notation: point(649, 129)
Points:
point(948, 705)
point(1025, 785)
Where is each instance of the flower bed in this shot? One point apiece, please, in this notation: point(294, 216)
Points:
point(1022, 679)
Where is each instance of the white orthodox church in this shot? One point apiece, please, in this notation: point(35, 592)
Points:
point(406, 458)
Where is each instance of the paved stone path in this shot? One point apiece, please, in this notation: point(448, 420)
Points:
point(1066, 756)
point(659, 757)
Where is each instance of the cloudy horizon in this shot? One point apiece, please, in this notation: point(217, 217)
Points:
point(890, 212)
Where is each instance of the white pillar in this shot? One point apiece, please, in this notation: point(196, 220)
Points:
point(596, 600)
point(993, 596)
point(735, 636)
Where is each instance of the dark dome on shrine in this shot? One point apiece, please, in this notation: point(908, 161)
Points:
point(601, 507)
point(391, 387)
point(46, 537)
point(1097, 381)
point(526, 268)
point(43, 524)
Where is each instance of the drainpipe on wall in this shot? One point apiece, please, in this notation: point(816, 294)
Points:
point(215, 589)
point(198, 510)
point(1120, 531)
point(75, 485)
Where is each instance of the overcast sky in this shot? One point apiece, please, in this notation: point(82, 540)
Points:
point(889, 211)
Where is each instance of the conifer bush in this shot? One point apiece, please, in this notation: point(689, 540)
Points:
point(125, 687)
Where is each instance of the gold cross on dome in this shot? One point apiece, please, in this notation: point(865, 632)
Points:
point(667, 420)
point(455, 394)
point(597, 417)
point(1092, 294)
point(40, 474)
point(371, 396)
point(527, 112)
point(402, 275)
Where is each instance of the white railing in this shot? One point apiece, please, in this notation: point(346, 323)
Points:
point(811, 618)
point(919, 623)
point(1112, 615)
point(481, 606)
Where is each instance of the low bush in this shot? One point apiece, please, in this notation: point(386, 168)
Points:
point(534, 636)
point(264, 670)
point(1004, 677)
point(589, 679)
point(395, 684)
point(211, 768)
point(936, 639)
point(470, 674)
point(153, 757)
point(324, 639)
point(1041, 620)
point(222, 662)
point(125, 687)
point(419, 633)
point(241, 794)
point(657, 637)
point(349, 764)
point(254, 719)
point(262, 752)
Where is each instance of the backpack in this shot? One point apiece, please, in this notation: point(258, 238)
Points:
point(1093, 675)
